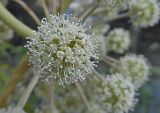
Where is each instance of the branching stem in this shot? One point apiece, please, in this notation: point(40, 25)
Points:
point(14, 23)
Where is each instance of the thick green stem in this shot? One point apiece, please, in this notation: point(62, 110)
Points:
point(14, 23)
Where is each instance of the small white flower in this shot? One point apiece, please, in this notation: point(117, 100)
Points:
point(6, 32)
point(117, 94)
point(145, 12)
point(118, 40)
point(136, 68)
point(62, 49)
point(60, 55)
point(96, 109)
point(12, 110)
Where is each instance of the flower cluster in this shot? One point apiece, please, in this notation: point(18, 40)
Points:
point(117, 94)
point(118, 40)
point(62, 49)
point(6, 32)
point(12, 110)
point(136, 68)
point(145, 12)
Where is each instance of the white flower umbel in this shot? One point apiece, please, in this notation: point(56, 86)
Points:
point(117, 94)
point(6, 32)
point(136, 68)
point(145, 12)
point(12, 110)
point(62, 49)
point(118, 40)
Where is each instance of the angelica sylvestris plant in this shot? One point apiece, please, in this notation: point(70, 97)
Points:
point(66, 63)
point(62, 49)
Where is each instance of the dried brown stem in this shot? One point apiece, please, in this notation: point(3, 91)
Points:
point(21, 69)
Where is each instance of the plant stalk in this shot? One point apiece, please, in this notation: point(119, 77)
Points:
point(21, 69)
point(29, 90)
point(45, 8)
point(83, 95)
point(14, 23)
point(50, 97)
